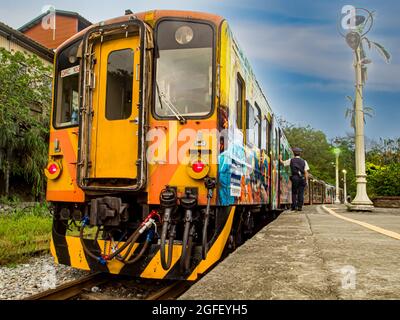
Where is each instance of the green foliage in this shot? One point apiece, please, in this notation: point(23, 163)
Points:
point(385, 152)
point(23, 233)
point(383, 160)
point(384, 181)
point(347, 162)
point(319, 154)
point(25, 85)
point(383, 168)
point(10, 200)
point(316, 150)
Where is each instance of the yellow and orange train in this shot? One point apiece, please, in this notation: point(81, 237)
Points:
point(163, 148)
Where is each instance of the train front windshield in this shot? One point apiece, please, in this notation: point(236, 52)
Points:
point(184, 79)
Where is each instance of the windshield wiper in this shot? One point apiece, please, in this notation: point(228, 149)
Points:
point(170, 105)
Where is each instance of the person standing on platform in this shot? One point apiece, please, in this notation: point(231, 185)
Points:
point(299, 168)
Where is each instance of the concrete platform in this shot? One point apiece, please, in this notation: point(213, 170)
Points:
point(312, 255)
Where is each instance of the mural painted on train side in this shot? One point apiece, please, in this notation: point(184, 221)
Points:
point(244, 169)
point(243, 173)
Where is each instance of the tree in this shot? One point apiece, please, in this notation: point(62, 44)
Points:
point(316, 149)
point(384, 152)
point(384, 181)
point(25, 89)
point(347, 160)
point(383, 168)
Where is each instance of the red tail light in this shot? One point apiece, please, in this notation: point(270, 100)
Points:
point(198, 166)
point(53, 169)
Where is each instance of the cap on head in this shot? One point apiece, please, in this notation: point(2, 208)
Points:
point(297, 151)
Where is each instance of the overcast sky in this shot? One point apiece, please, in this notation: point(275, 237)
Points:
point(301, 61)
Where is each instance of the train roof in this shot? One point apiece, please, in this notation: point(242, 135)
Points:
point(151, 17)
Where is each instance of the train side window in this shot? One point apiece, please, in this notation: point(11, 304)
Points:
point(249, 124)
point(119, 84)
point(253, 124)
point(257, 126)
point(239, 101)
point(264, 133)
point(268, 135)
point(276, 142)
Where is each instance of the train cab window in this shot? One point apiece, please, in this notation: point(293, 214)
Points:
point(184, 69)
point(239, 102)
point(253, 125)
point(67, 83)
point(119, 84)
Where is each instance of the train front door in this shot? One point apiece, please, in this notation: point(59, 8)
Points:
point(115, 125)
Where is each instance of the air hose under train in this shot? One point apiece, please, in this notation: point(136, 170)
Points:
point(210, 184)
point(189, 202)
point(146, 225)
point(149, 239)
point(168, 201)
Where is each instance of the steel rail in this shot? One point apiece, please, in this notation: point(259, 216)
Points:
point(171, 292)
point(71, 289)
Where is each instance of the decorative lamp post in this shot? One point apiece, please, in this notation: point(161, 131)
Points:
point(345, 185)
point(337, 151)
point(361, 201)
point(357, 26)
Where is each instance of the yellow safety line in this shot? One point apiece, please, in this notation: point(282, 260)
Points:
point(388, 233)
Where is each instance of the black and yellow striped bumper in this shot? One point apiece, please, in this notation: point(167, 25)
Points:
point(68, 250)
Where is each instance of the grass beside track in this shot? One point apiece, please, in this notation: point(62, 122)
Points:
point(23, 233)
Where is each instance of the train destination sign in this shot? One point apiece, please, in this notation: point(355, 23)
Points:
point(70, 71)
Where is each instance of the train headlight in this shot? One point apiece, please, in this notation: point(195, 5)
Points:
point(184, 35)
point(53, 170)
point(198, 170)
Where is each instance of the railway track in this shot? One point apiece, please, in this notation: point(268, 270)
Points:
point(71, 289)
point(171, 292)
point(79, 288)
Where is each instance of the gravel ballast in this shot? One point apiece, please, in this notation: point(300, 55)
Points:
point(37, 275)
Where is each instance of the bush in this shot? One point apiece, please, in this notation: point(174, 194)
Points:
point(384, 181)
point(24, 232)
